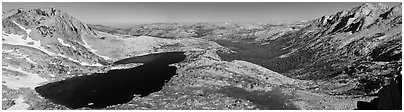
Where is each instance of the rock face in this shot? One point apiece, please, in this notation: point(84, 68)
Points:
point(319, 64)
point(351, 45)
point(388, 98)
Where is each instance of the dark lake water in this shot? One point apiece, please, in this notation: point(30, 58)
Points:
point(160, 58)
point(118, 86)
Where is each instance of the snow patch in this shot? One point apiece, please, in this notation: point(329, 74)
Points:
point(7, 51)
point(29, 60)
point(63, 43)
point(87, 45)
point(97, 64)
point(84, 63)
point(18, 40)
point(15, 81)
point(63, 56)
point(28, 42)
point(87, 64)
point(19, 104)
point(105, 57)
point(288, 54)
point(51, 75)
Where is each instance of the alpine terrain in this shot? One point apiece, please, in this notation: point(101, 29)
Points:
point(349, 60)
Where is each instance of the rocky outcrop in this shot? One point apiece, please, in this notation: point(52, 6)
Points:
point(353, 20)
point(389, 97)
point(393, 12)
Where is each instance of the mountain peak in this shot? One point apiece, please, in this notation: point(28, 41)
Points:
point(373, 5)
point(47, 10)
point(363, 9)
point(358, 17)
point(364, 5)
point(46, 16)
point(50, 28)
point(381, 5)
point(394, 11)
point(369, 9)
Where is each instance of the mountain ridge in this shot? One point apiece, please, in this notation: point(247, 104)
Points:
point(48, 23)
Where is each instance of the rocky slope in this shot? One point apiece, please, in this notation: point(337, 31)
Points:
point(350, 52)
point(355, 50)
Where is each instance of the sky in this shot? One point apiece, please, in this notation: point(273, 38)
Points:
point(141, 12)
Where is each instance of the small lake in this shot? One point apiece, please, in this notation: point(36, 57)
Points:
point(119, 86)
